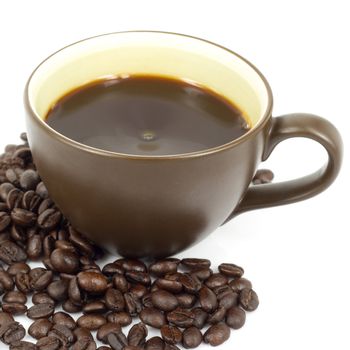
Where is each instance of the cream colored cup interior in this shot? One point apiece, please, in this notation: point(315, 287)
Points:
point(166, 54)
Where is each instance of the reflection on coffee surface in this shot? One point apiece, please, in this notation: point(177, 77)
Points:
point(147, 115)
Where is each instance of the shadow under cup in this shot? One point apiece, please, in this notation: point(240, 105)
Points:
point(147, 205)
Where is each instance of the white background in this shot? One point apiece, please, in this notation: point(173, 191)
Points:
point(298, 255)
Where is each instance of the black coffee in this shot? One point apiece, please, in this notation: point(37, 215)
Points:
point(147, 115)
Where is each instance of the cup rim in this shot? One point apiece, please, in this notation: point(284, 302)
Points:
point(62, 138)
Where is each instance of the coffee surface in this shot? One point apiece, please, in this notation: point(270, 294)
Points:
point(147, 115)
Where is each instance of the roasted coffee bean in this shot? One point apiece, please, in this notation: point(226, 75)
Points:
point(171, 334)
point(74, 291)
point(42, 298)
point(152, 317)
point(106, 329)
point(22, 282)
point(5, 188)
point(63, 319)
point(29, 179)
point(65, 245)
point(238, 284)
point(147, 300)
point(5, 318)
point(186, 300)
point(112, 269)
point(220, 291)
point(195, 264)
point(120, 283)
point(133, 305)
point(170, 347)
point(137, 335)
point(231, 270)
point(41, 190)
point(191, 338)
point(122, 318)
point(191, 284)
point(6, 280)
point(200, 317)
point(138, 290)
point(162, 267)
point(174, 276)
point(164, 300)
point(114, 300)
point(92, 282)
point(202, 274)
point(248, 299)
point(228, 300)
point(65, 261)
point(13, 176)
point(18, 234)
point(181, 317)
point(81, 332)
point(22, 345)
point(96, 306)
point(18, 267)
point(235, 317)
point(47, 263)
point(23, 217)
point(154, 343)
point(40, 278)
point(14, 198)
point(70, 307)
point(11, 332)
point(217, 334)
point(31, 201)
point(263, 176)
point(217, 316)
point(49, 343)
point(11, 253)
point(171, 286)
point(91, 321)
point(138, 277)
point(207, 299)
point(14, 297)
point(132, 265)
point(22, 152)
point(40, 328)
point(14, 308)
point(117, 340)
point(49, 219)
point(216, 280)
point(84, 344)
point(40, 311)
point(5, 220)
point(45, 204)
point(58, 290)
point(63, 333)
point(81, 243)
point(4, 237)
point(48, 246)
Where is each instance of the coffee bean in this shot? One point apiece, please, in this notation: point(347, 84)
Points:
point(216, 280)
point(14, 198)
point(63, 333)
point(122, 318)
point(217, 334)
point(70, 307)
point(114, 300)
point(106, 329)
point(181, 317)
point(12, 175)
point(18, 234)
point(42, 298)
point(171, 286)
point(84, 344)
point(238, 284)
point(147, 300)
point(14, 308)
point(23, 152)
point(14, 297)
point(186, 300)
point(6, 280)
point(5, 318)
point(22, 282)
point(170, 347)
point(40, 311)
point(91, 321)
point(235, 317)
point(64, 261)
point(11, 253)
point(154, 343)
point(191, 284)
point(191, 338)
point(5, 188)
point(112, 269)
point(217, 316)
point(133, 305)
point(171, 334)
point(18, 267)
point(40, 278)
point(120, 283)
point(45, 204)
point(58, 290)
point(63, 319)
point(29, 179)
point(138, 290)
point(11, 332)
point(41, 190)
point(200, 317)
point(132, 265)
point(5, 220)
point(248, 299)
point(164, 300)
point(81, 243)
point(137, 335)
point(195, 264)
point(96, 306)
point(81, 332)
point(152, 317)
point(34, 247)
point(40, 328)
point(207, 299)
point(49, 219)
point(22, 345)
point(202, 274)
point(138, 277)
point(117, 340)
point(162, 267)
point(23, 217)
point(92, 282)
point(231, 270)
point(49, 343)
point(31, 201)
point(263, 176)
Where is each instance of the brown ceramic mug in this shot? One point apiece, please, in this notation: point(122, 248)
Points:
point(158, 205)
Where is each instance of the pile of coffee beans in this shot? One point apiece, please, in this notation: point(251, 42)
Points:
point(185, 299)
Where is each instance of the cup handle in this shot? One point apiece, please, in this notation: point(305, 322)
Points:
point(285, 127)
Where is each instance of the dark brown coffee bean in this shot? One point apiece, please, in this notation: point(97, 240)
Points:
point(138, 277)
point(5, 188)
point(91, 321)
point(152, 317)
point(23, 152)
point(112, 269)
point(74, 291)
point(42, 298)
point(263, 176)
point(154, 343)
point(216, 280)
point(11, 253)
point(195, 264)
point(81, 332)
point(14, 308)
point(45, 204)
point(23, 217)
point(235, 317)
point(84, 344)
point(181, 317)
point(217, 334)
point(248, 299)
point(138, 290)
point(65, 261)
point(22, 282)
point(22, 345)
point(5, 220)
point(11, 332)
point(92, 282)
point(14, 297)
point(81, 243)
point(18, 267)
point(231, 270)
point(31, 201)
point(164, 300)
point(191, 338)
point(133, 305)
point(171, 334)
point(5, 318)
point(48, 246)
point(228, 300)
point(18, 234)
point(40, 328)
point(186, 300)
point(132, 265)
point(171, 286)
point(29, 179)
point(162, 267)
point(6, 280)
point(174, 276)
point(40, 278)
point(238, 284)
point(117, 340)
point(147, 300)
point(191, 284)
point(58, 290)
point(120, 283)
point(49, 219)
point(14, 198)
point(207, 299)
point(202, 274)
point(68, 306)
point(114, 300)
point(63, 319)
point(41, 190)
point(200, 317)
point(40, 311)
point(170, 347)
point(217, 316)
point(49, 343)
point(106, 329)
point(47, 263)
point(63, 333)
point(122, 318)
point(96, 306)
point(65, 245)
point(137, 335)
